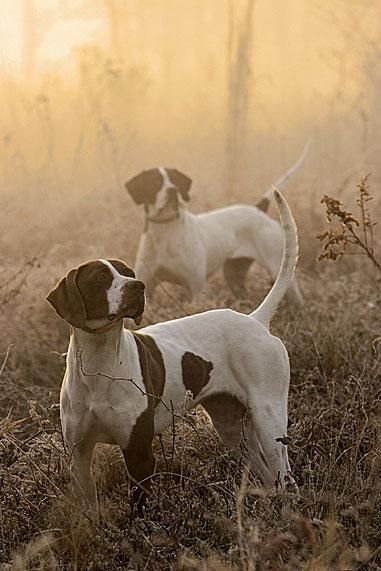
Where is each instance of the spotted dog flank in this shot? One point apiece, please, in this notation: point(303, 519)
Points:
point(122, 387)
point(196, 372)
point(183, 248)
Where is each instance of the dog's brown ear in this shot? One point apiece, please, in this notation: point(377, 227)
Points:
point(144, 186)
point(67, 300)
point(122, 268)
point(181, 181)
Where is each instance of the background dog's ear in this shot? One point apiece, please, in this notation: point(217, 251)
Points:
point(181, 181)
point(67, 300)
point(144, 186)
point(122, 268)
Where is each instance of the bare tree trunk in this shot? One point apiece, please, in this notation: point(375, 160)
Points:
point(114, 26)
point(29, 39)
point(240, 38)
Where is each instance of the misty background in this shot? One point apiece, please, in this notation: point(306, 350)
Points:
point(227, 91)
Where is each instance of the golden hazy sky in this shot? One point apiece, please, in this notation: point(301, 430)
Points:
point(157, 73)
point(60, 26)
point(303, 53)
point(294, 36)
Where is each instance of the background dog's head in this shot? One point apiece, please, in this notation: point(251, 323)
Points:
point(98, 293)
point(160, 190)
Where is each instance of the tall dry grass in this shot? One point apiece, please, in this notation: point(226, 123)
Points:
point(206, 511)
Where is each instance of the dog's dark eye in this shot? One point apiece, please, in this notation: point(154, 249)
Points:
point(100, 278)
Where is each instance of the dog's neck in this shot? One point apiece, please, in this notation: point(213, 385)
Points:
point(163, 219)
point(94, 352)
point(166, 220)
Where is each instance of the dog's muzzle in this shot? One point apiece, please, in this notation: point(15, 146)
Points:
point(133, 302)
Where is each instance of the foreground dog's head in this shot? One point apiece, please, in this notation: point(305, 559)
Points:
point(161, 190)
point(98, 293)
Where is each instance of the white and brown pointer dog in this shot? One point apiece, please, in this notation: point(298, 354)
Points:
point(180, 247)
point(120, 385)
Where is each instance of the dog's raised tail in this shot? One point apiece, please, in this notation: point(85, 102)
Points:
point(265, 311)
point(280, 184)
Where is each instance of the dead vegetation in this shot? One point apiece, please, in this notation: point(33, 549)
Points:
point(353, 234)
point(206, 511)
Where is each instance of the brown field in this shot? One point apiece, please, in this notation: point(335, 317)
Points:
point(205, 508)
point(68, 143)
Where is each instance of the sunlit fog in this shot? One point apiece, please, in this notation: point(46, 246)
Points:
point(229, 92)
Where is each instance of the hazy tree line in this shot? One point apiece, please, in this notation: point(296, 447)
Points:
point(240, 101)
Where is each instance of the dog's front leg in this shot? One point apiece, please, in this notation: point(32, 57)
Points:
point(194, 281)
point(146, 273)
point(84, 483)
point(139, 458)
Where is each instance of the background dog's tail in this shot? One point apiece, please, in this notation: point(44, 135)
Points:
point(264, 202)
point(264, 312)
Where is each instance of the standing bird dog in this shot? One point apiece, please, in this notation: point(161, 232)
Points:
point(122, 387)
point(183, 248)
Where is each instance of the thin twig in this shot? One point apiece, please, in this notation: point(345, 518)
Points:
point(5, 359)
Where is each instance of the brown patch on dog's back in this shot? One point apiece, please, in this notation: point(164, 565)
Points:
point(263, 204)
point(151, 364)
point(196, 372)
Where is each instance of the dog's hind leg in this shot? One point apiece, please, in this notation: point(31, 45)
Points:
point(227, 414)
point(235, 271)
point(267, 446)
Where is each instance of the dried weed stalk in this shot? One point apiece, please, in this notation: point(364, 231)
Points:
point(352, 230)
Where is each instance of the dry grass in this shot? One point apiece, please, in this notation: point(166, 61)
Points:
point(206, 511)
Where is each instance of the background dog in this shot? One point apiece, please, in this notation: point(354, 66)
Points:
point(180, 247)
